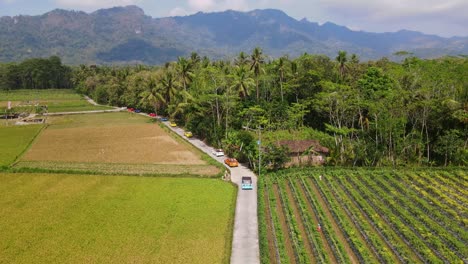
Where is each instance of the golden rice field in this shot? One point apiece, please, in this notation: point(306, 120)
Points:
point(113, 143)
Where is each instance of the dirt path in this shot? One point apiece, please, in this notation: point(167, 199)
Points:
point(284, 226)
point(336, 228)
point(271, 237)
point(300, 224)
point(91, 101)
point(325, 243)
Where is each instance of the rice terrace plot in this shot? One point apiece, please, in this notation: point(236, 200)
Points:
point(14, 140)
point(113, 143)
point(57, 100)
point(364, 216)
point(60, 218)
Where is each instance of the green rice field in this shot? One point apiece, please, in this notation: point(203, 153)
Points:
point(53, 218)
point(14, 140)
point(57, 100)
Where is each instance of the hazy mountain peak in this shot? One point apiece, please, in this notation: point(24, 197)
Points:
point(125, 34)
point(130, 9)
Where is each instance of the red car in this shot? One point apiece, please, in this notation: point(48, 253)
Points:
point(152, 114)
point(130, 109)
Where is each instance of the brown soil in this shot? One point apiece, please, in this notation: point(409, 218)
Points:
point(135, 143)
point(284, 226)
point(361, 237)
point(336, 228)
point(301, 226)
point(269, 224)
point(327, 247)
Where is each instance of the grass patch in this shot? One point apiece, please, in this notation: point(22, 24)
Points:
point(83, 219)
point(57, 100)
point(14, 140)
point(118, 168)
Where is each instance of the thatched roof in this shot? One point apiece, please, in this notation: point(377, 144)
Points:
point(301, 146)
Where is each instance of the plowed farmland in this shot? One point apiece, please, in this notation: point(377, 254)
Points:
point(360, 216)
point(100, 141)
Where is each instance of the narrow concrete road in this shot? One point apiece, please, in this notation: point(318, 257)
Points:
point(245, 249)
point(91, 101)
point(86, 112)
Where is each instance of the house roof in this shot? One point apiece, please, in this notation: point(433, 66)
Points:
point(301, 146)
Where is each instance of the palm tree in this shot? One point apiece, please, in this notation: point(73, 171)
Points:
point(195, 58)
point(256, 60)
point(281, 68)
point(241, 59)
point(242, 82)
point(153, 95)
point(184, 70)
point(169, 86)
point(341, 59)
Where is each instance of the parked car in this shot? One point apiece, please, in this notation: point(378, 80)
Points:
point(247, 183)
point(130, 109)
point(137, 110)
point(218, 152)
point(172, 124)
point(152, 114)
point(164, 119)
point(231, 162)
point(188, 134)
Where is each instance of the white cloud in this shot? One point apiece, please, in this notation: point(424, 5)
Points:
point(178, 11)
point(235, 5)
point(429, 16)
point(201, 5)
point(218, 5)
point(89, 4)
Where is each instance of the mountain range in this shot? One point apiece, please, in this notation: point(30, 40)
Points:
point(125, 35)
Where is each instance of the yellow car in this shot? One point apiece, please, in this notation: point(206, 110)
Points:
point(188, 134)
point(172, 124)
point(231, 162)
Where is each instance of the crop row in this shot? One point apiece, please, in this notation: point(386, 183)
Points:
point(422, 226)
point(348, 224)
point(369, 216)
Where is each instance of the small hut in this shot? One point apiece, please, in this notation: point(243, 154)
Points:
point(305, 152)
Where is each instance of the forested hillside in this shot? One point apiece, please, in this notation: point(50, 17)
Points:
point(376, 113)
point(125, 35)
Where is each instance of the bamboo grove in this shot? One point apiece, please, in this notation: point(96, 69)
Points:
point(373, 113)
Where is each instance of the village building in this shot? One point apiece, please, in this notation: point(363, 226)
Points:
point(305, 152)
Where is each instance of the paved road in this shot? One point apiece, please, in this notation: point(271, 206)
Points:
point(87, 112)
point(245, 248)
point(91, 101)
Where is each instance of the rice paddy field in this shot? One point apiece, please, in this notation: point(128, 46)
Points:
point(113, 143)
point(62, 218)
point(57, 100)
point(14, 140)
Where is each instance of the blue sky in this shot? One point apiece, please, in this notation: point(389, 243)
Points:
point(441, 17)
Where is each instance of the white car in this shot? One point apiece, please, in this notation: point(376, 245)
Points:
point(218, 152)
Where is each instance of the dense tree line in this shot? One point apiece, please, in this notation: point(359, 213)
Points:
point(376, 113)
point(37, 73)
